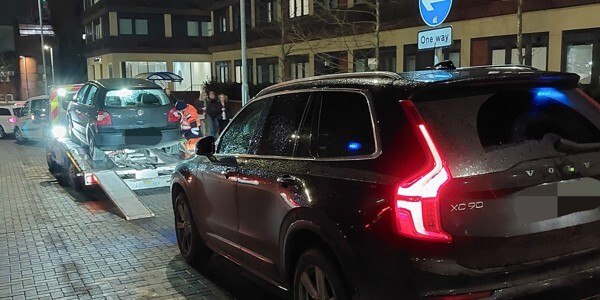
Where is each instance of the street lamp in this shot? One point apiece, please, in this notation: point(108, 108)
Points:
point(42, 46)
point(51, 62)
point(26, 78)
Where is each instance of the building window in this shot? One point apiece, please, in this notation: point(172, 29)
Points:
point(415, 60)
point(194, 75)
point(193, 28)
point(324, 5)
point(133, 68)
point(97, 30)
point(502, 50)
point(267, 70)
point(238, 70)
point(265, 11)
point(331, 63)
point(298, 66)
point(580, 61)
point(364, 60)
point(131, 26)
point(580, 54)
point(206, 29)
point(141, 27)
point(125, 26)
point(298, 8)
point(222, 71)
point(221, 21)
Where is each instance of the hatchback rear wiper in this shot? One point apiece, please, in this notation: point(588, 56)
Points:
point(568, 146)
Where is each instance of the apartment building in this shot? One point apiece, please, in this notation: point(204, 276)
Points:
point(199, 39)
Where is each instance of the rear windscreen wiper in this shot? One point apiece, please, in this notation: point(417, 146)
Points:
point(568, 146)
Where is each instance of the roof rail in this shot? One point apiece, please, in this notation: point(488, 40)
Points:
point(372, 75)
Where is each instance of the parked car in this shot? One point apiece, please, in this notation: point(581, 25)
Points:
point(8, 119)
point(32, 123)
point(461, 183)
point(115, 114)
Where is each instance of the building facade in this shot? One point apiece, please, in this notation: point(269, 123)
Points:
point(199, 39)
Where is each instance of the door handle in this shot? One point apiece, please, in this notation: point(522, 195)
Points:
point(227, 173)
point(286, 180)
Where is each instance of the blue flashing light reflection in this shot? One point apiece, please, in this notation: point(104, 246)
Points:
point(549, 94)
point(354, 146)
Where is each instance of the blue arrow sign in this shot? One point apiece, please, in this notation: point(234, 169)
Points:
point(434, 12)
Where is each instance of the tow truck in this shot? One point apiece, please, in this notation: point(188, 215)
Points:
point(118, 175)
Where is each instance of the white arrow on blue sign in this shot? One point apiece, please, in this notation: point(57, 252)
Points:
point(434, 12)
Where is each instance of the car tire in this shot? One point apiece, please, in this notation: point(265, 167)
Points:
point(94, 152)
point(2, 132)
point(53, 167)
point(73, 180)
point(192, 248)
point(19, 136)
point(317, 277)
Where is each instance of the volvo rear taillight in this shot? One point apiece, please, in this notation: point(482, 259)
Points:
point(12, 120)
point(172, 116)
point(417, 203)
point(103, 118)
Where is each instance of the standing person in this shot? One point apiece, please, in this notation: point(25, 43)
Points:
point(171, 97)
point(200, 105)
point(225, 112)
point(213, 110)
point(188, 122)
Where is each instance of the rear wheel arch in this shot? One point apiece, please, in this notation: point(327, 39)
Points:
point(176, 189)
point(304, 234)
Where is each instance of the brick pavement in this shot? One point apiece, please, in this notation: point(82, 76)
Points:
point(57, 244)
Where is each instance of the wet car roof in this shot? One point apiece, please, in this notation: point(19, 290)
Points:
point(125, 83)
point(427, 78)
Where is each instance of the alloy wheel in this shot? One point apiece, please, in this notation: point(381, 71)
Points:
point(183, 228)
point(314, 284)
point(18, 135)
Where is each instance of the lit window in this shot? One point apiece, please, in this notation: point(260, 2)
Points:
point(579, 60)
point(125, 26)
point(193, 28)
point(141, 27)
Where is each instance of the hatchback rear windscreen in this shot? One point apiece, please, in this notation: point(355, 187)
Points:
point(136, 98)
point(492, 130)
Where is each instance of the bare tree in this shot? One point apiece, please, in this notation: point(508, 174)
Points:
point(520, 54)
point(7, 66)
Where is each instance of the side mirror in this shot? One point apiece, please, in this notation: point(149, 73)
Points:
point(206, 147)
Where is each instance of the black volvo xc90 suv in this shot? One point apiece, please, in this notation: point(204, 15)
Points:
point(447, 183)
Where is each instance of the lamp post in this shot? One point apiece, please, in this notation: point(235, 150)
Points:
point(245, 95)
point(51, 63)
point(26, 78)
point(45, 78)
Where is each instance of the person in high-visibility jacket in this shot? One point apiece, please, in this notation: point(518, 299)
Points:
point(189, 123)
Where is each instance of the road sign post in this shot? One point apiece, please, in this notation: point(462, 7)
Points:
point(434, 13)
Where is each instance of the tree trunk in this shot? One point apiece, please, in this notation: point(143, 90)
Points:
point(520, 32)
point(377, 34)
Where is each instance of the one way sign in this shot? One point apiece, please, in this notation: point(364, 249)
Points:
point(434, 12)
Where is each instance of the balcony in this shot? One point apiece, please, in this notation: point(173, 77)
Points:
point(148, 44)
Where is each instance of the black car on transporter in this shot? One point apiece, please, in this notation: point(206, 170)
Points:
point(449, 183)
point(122, 113)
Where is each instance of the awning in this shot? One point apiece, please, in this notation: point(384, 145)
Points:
point(160, 76)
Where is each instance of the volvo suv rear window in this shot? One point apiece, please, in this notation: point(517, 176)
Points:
point(493, 130)
point(135, 98)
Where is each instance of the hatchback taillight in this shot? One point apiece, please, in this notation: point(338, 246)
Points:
point(172, 116)
point(12, 120)
point(417, 203)
point(103, 118)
